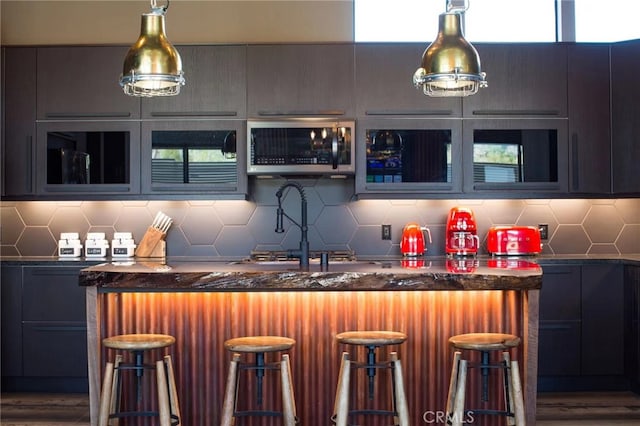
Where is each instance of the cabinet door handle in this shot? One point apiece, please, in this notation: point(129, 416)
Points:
point(86, 187)
point(30, 188)
point(87, 114)
point(536, 112)
point(555, 326)
point(575, 164)
point(60, 328)
point(44, 271)
point(520, 186)
point(409, 112)
point(327, 112)
point(190, 187)
point(334, 150)
point(194, 114)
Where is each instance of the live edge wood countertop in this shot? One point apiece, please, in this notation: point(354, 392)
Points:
point(414, 274)
point(235, 298)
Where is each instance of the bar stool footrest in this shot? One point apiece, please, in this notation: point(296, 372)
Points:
point(129, 414)
point(372, 412)
point(490, 412)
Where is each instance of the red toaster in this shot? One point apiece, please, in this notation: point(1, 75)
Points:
point(513, 240)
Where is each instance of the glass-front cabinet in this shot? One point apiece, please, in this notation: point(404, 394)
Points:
point(194, 156)
point(415, 157)
point(90, 157)
point(397, 156)
point(516, 155)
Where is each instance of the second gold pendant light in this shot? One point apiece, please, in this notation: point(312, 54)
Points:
point(450, 65)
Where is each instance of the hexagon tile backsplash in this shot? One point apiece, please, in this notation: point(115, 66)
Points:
point(234, 228)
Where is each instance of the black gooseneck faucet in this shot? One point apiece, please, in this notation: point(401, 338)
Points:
point(303, 251)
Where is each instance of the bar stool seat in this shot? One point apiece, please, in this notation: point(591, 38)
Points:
point(371, 340)
point(259, 345)
point(255, 344)
point(138, 342)
point(485, 343)
point(167, 395)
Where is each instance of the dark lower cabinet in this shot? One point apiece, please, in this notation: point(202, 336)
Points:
point(560, 322)
point(44, 333)
point(583, 341)
point(632, 332)
point(602, 320)
point(11, 317)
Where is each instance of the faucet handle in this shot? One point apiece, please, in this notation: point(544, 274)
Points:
point(280, 220)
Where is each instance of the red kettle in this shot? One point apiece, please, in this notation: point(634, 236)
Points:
point(412, 242)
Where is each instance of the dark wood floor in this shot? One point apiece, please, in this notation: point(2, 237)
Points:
point(554, 409)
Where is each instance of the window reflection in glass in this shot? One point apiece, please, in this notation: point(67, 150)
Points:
point(194, 157)
point(497, 162)
point(515, 155)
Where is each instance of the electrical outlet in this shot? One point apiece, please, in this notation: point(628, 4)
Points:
point(386, 232)
point(544, 231)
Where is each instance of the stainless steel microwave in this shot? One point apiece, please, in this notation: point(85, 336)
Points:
point(300, 146)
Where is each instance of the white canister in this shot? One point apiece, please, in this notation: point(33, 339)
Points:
point(69, 245)
point(96, 245)
point(122, 245)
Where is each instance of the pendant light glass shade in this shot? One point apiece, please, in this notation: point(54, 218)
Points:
point(152, 66)
point(450, 65)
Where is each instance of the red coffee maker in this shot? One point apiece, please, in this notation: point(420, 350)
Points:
point(462, 233)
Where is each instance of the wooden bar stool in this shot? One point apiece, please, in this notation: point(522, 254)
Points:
point(259, 345)
point(485, 343)
point(371, 340)
point(110, 401)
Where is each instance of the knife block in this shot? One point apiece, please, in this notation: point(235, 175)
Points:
point(160, 250)
point(152, 245)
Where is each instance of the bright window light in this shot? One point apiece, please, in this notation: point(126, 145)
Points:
point(486, 20)
point(596, 23)
point(512, 21)
point(396, 21)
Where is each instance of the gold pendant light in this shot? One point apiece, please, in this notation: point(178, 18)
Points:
point(152, 66)
point(450, 65)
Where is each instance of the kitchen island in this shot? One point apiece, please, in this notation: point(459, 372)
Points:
point(204, 303)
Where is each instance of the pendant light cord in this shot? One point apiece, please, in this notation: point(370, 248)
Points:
point(457, 6)
point(154, 6)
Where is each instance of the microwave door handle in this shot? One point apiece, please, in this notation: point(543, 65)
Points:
point(334, 149)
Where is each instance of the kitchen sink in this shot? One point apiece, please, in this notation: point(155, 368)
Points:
point(296, 262)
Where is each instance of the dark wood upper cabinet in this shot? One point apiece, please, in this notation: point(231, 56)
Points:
point(18, 121)
point(524, 80)
point(300, 80)
point(81, 83)
point(88, 157)
point(589, 119)
point(195, 157)
point(625, 116)
point(398, 157)
point(215, 85)
point(384, 83)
